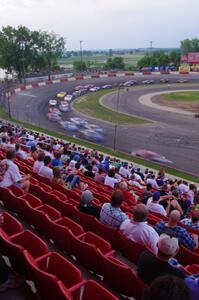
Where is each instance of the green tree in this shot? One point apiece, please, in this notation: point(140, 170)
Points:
point(115, 63)
point(51, 47)
point(189, 45)
point(174, 58)
point(79, 65)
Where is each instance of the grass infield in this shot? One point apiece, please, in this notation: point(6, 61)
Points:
point(183, 96)
point(90, 105)
point(123, 156)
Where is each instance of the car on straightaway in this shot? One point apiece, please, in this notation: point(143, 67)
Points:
point(182, 80)
point(78, 87)
point(88, 86)
point(94, 128)
point(61, 94)
point(163, 80)
point(54, 110)
point(68, 98)
point(94, 89)
point(150, 155)
point(92, 135)
point(107, 86)
point(53, 117)
point(52, 102)
point(70, 126)
point(64, 106)
point(129, 83)
point(150, 81)
point(79, 121)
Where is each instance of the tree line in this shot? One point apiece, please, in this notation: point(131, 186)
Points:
point(23, 50)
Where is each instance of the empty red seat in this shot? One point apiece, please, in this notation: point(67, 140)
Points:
point(53, 275)
point(88, 250)
point(130, 249)
point(62, 232)
point(91, 290)
point(10, 226)
point(122, 278)
point(187, 257)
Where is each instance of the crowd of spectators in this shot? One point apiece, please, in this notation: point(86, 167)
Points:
point(174, 201)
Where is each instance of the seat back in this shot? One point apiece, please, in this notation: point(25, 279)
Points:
point(107, 233)
point(93, 290)
point(11, 225)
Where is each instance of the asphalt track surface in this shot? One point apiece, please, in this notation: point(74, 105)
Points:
point(172, 135)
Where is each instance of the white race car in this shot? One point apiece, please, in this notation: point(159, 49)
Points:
point(64, 106)
point(68, 98)
point(79, 122)
point(52, 102)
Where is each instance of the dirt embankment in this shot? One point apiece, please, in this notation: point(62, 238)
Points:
point(186, 105)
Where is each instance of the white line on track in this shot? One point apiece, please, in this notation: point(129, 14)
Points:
point(27, 94)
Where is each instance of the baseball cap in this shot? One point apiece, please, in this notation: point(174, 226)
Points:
point(156, 196)
point(168, 245)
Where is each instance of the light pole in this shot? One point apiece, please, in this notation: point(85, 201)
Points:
point(116, 123)
point(22, 46)
point(7, 94)
point(81, 51)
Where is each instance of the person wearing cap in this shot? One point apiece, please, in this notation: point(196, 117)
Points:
point(124, 171)
point(151, 266)
point(138, 230)
point(173, 229)
point(154, 206)
point(87, 206)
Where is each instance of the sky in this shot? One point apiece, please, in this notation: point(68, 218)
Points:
point(105, 24)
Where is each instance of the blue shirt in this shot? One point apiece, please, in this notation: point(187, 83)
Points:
point(56, 162)
point(180, 233)
point(112, 216)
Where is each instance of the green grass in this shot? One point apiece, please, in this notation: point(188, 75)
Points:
point(83, 143)
point(183, 96)
point(90, 105)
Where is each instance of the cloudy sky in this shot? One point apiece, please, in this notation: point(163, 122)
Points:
point(104, 24)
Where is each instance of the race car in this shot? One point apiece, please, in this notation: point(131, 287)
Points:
point(70, 126)
point(64, 106)
point(52, 102)
point(79, 122)
point(163, 80)
point(54, 110)
point(92, 135)
point(148, 81)
point(68, 98)
point(61, 94)
point(53, 117)
point(182, 81)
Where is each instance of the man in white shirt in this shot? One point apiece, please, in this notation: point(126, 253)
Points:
point(138, 230)
point(39, 162)
point(124, 171)
point(12, 175)
point(154, 206)
point(153, 182)
point(46, 171)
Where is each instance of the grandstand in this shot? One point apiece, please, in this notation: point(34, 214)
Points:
point(66, 253)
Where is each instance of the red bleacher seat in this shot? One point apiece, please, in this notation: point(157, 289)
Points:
point(130, 249)
point(187, 257)
point(88, 250)
point(10, 226)
point(62, 232)
point(53, 275)
point(122, 278)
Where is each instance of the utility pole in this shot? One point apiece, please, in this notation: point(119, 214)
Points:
point(151, 46)
point(81, 51)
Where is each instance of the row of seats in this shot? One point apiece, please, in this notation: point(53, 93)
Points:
point(54, 276)
point(90, 250)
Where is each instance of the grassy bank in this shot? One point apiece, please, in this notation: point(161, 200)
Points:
point(89, 105)
point(183, 96)
point(121, 155)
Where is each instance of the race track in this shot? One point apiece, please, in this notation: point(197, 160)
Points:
point(175, 136)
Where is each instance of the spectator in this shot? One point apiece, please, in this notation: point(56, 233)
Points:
point(128, 195)
point(12, 175)
point(151, 266)
point(111, 214)
point(57, 160)
point(192, 222)
point(57, 176)
point(124, 171)
point(138, 230)
point(134, 182)
point(168, 288)
point(45, 170)
point(20, 153)
point(99, 177)
point(172, 229)
point(145, 194)
point(153, 182)
point(110, 179)
point(155, 207)
point(183, 187)
point(39, 162)
point(87, 206)
point(89, 172)
point(193, 284)
point(171, 200)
